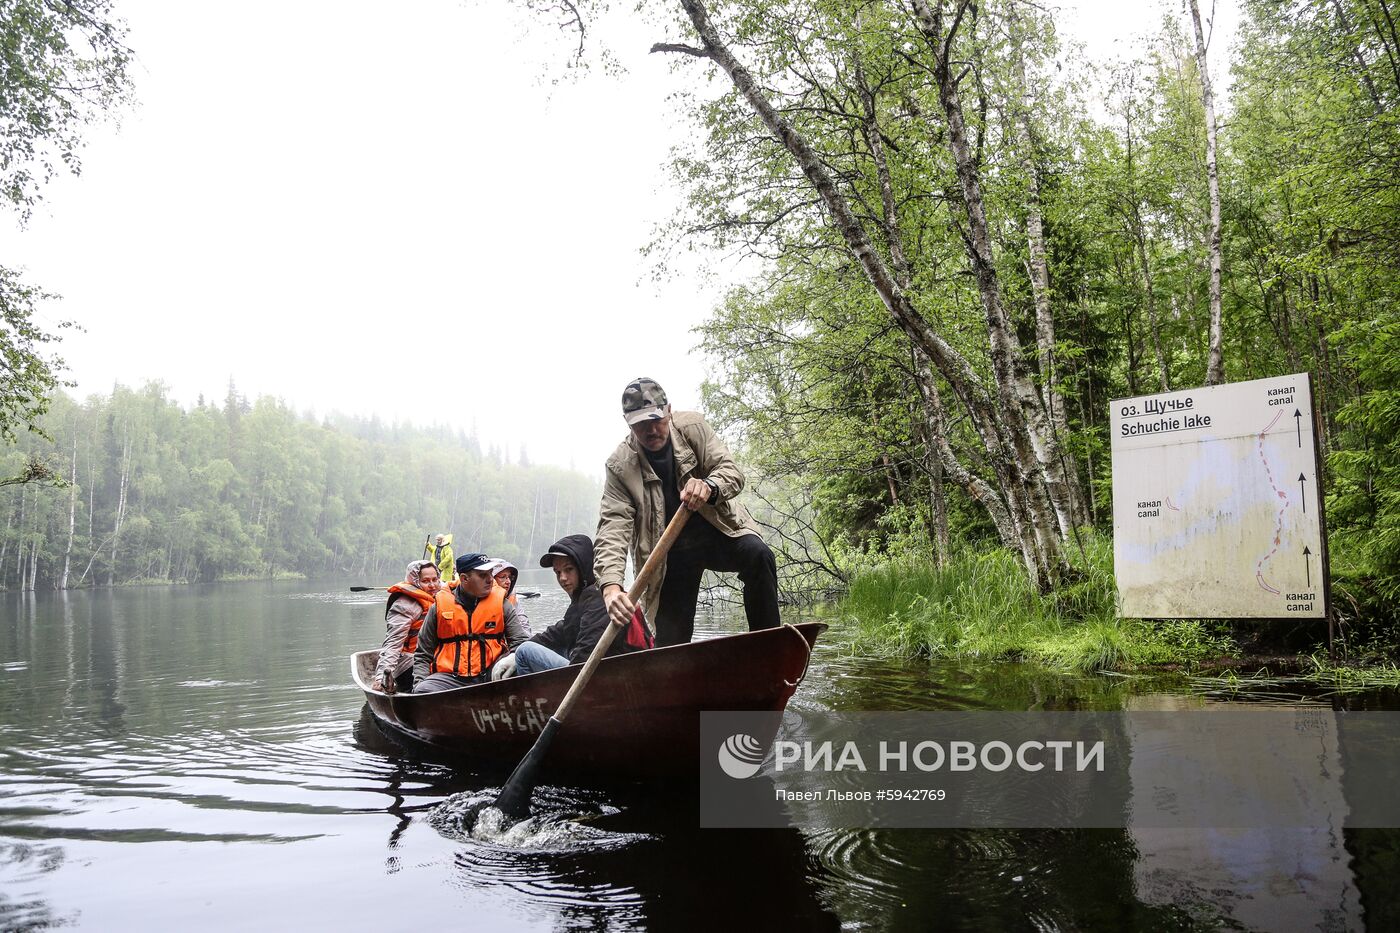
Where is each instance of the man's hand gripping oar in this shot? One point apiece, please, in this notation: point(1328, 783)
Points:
point(514, 799)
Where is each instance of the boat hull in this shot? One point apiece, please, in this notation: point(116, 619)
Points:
point(638, 717)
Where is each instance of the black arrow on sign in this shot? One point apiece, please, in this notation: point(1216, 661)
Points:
point(1308, 563)
point(1298, 423)
point(1303, 491)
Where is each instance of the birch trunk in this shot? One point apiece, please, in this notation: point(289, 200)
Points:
point(1037, 457)
point(1020, 474)
point(37, 548)
point(1139, 233)
point(1071, 509)
point(5, 542)
point(19, 545)
point(1150, 294)
point(934, 428)
point(939, 453)
point(890, 221)
point(121, 503)
point(72, 513)
point(1215, 366)
point(534, 518)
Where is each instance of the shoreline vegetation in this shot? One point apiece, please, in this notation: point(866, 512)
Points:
point(969, 241)
point(982, 607)
point(150, 490)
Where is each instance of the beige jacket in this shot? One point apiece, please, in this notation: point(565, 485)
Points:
point(632, 514)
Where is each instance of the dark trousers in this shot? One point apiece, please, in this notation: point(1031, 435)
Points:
point(445, 681)
point(702, 547)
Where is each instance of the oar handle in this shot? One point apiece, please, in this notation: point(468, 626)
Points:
point(639, 586)
point(658, 553)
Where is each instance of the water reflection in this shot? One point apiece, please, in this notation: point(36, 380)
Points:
point(1292, 876)
point(103, 663)
point(647, 866)
point(23, 864)
point(210, 734)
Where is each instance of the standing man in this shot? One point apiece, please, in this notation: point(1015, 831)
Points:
point(442, 557)
point(669, 462)
point(469, 627)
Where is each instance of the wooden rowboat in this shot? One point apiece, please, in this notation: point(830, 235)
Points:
point(639, 717)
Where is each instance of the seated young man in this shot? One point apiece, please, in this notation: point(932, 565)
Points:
point(571, 639)
point(466, 631)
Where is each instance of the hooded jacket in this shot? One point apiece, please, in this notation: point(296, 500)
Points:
point(587, 617)
point(446, 563)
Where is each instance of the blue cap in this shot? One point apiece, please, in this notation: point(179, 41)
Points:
point(472, 562)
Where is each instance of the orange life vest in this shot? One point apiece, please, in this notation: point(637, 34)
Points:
point(469, 642)
point(423, 598)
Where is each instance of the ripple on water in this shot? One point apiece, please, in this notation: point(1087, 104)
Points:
point(878, 871)
point(341, 598)
point(539, 856)
point(268, 784)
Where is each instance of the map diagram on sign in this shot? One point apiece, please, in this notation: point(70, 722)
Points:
point(1216, 510)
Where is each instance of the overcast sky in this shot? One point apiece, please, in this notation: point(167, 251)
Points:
point(382, 208)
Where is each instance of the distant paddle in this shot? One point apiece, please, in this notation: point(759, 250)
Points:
point(366, 589)
point(514, 799)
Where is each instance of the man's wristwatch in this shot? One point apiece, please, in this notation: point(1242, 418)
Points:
point(714, 490)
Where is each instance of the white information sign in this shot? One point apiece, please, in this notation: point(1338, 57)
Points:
point(1216, 508)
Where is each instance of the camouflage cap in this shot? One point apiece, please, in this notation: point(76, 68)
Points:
point(644, 400)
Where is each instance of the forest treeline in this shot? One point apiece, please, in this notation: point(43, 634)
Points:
point(973, 240)
point(156, 492)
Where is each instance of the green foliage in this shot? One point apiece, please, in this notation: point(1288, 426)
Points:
point(62, 66)
point(1347, 678)
point(28, 375)
point(811, 373)
point(162, 493)
point(983, 607)
point(1365, 499)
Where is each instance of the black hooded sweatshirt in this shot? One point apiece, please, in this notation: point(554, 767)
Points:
point(587, 617)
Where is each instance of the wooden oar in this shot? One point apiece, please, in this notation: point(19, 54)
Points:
point(365, 589)
point(514, 799)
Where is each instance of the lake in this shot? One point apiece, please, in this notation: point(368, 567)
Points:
point(176, 757)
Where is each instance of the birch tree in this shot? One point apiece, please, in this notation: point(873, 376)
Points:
point(1215, 364)
point(914, 104)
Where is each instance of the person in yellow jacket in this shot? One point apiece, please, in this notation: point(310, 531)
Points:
point(441, 555)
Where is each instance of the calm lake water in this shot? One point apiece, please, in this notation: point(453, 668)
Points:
point(197, 756)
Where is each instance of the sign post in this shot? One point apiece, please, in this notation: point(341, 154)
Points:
point(1217, 506)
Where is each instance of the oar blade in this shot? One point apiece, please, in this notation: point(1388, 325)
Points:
point(514, 799)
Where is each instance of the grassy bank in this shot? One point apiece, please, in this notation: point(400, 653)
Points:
point(982, 606)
